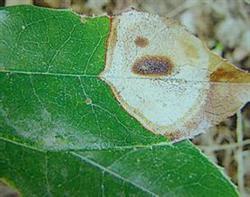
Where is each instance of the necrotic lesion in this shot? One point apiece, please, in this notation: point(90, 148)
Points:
point(152, 66)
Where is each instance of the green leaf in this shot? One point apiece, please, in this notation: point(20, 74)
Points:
point(62, 132)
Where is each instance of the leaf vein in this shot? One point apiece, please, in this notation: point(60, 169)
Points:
point(104, 169)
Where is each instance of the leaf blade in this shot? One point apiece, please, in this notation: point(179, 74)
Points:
point(48, 122)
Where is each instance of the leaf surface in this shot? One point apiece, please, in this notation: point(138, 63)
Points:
point(62, 131)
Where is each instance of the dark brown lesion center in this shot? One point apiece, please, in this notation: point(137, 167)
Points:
point(152, 66)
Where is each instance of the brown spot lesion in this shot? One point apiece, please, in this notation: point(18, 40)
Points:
point(222, 74)
point(222, 71)
point(228, 74)
point(152, 66)
point(141, 41)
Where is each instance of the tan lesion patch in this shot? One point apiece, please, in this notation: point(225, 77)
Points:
point(141, 41)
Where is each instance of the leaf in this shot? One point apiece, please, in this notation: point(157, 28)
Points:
point(178, 170)
point(63, 132)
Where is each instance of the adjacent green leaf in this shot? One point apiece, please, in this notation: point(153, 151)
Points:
point(62, 132)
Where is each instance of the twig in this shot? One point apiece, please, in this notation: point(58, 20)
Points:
point(240, 174)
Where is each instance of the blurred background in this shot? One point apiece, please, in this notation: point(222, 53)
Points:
point(224, 25)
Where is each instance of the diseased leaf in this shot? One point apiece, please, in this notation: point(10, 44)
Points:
point(167, 79)
point(64, 133)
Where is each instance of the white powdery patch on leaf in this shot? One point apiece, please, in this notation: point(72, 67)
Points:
point(52, 133)
point(167, 79)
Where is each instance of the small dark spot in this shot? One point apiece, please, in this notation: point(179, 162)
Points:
point(141, 42)
point(152, 66)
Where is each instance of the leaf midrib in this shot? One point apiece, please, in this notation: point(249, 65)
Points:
point(99, 77)
point(47, 73)
point(114, 148)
